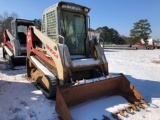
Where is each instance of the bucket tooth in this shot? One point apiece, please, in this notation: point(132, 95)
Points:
point(114, 115)
point(110, 75)
point(77, 82)
point(141, 106)
point(121, 112)
point(105, 117)
point(134, 107)
point(128, 110)
point(136, 103)
point(144, 102)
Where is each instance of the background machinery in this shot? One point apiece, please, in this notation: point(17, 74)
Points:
point(149, 45)
point(14, 45)
point(62, 62)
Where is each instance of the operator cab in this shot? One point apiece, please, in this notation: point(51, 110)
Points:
point(70, 21)
point(19, 29)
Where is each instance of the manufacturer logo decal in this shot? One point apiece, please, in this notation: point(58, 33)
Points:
point(51, 50)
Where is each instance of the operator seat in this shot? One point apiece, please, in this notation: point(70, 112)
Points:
point(22, 37)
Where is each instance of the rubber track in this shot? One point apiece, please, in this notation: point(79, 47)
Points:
point(13, 61)
point(52, 92)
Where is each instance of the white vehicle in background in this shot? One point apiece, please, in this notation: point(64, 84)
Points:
point(149, 45)
point(93, 34)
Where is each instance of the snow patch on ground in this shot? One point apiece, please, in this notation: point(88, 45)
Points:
point(21, 100)
point(97, 108)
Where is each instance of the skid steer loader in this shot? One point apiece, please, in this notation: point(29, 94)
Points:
point(14, 45)
point(65, 64)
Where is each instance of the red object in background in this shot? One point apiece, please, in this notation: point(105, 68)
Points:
point(139, 43)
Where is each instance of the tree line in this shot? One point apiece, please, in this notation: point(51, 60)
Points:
point(141, 30)
point(5, 22)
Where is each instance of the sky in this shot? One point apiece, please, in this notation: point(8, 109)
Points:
point(118, 14)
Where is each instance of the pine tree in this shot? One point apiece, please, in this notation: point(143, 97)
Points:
point(141, 30)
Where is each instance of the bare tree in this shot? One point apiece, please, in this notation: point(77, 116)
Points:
point(38, 22)
point(5, 22)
